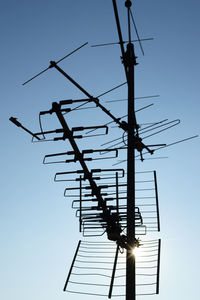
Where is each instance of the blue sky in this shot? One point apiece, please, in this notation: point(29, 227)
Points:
point(39, 230)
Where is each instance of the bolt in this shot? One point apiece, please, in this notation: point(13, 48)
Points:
point(128, 3)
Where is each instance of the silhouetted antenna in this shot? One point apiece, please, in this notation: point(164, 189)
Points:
point(108, 265)
point(124, 42)
point(162, 147)
point(55, 62)
point(122, 117)
point(149, 126)
point(118, 202)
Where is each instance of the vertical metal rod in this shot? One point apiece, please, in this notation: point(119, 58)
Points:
point(130, 62)
point(117, 193)
point(80, 205)
point(65, 286)
point(157, 205)
point(158, 267)
point(129, 25)
point(113, 272)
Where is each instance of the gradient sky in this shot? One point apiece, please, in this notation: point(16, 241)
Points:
point(39, 232)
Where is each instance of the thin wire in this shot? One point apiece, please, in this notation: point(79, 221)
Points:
point(80, 255)
point(108, 123)
point(35, 76)
point(136, 32)
point(56, 63)
point(112, 89)
point(159, 131)
point(144, 107)
point(90, 274)
point(94, 268)
point(117, 43)
point(117, 139)
point(94, 284)
point(174, 143)
point(103, 295)
point(89, 251)
point(71, 52)
point(100, 284)
point(116, 87)
point(136, 98)
point(97, 262)
point(94, 242)
point(151, 125)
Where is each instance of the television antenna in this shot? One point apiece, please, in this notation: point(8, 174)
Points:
point(117, 201)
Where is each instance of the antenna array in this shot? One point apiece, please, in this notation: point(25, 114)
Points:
point(112, 199)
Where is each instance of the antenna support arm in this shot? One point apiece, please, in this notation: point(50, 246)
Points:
point(122, 125)
point(18, 124)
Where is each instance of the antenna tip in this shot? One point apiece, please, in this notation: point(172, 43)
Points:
point(128, 3)
point(14, 121)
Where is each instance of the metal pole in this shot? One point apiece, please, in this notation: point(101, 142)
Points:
point(130, 258)
point(130, 62)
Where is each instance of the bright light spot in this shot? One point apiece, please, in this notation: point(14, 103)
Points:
point(136, 251)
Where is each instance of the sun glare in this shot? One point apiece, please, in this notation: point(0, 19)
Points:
point(136, 251)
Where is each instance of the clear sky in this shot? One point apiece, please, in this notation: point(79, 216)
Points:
point(39, 232)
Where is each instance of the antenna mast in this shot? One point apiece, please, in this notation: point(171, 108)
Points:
point(129, 63)
point(106, 199)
